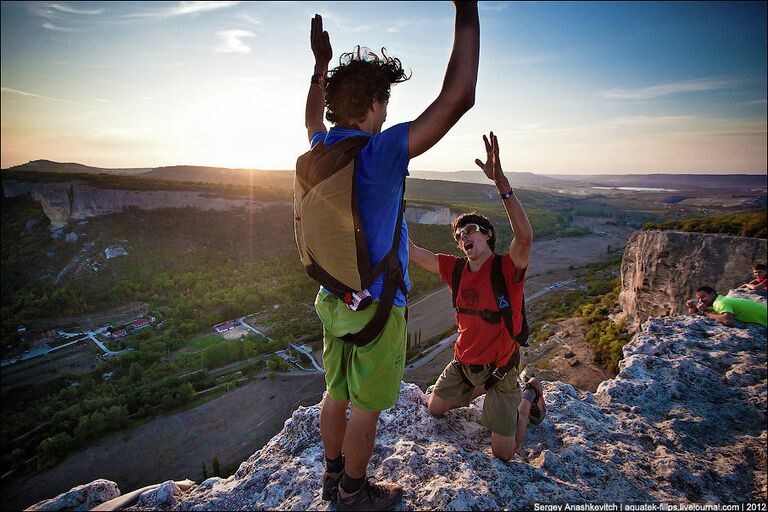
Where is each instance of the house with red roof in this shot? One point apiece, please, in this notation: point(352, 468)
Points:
point(224, 327)
point(140, 323)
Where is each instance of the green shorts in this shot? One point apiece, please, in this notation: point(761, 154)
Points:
point(501, 401)
point(367, 376)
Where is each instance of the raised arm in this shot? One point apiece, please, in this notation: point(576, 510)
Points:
point(458, 93)
point(520, 248)
point(423, 258)
point(321, 48)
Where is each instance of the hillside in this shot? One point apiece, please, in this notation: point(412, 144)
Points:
point(71, 167)
point(657, 432)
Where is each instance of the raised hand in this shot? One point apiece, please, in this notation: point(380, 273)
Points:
point(320, 42)
point(492, 165)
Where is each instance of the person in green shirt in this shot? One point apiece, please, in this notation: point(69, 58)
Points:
point(727, 309)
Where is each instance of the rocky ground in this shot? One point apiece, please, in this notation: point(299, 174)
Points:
point(683, 421)
point(566, 357)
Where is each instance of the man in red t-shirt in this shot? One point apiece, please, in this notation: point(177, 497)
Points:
point(760, 282)
point(482, 345)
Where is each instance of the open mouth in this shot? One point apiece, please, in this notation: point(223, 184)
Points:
point(468, 246)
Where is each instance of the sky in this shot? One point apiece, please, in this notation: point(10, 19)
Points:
point(569, 88)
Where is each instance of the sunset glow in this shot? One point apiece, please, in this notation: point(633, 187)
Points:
point(568, 87)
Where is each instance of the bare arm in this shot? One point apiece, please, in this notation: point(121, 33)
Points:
point(723, 318)
point(423, 258)
point(520, 248)
point(458, 93)
point(321, 48)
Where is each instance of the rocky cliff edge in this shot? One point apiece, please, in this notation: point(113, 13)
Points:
point(661, 269)
point(684, 421)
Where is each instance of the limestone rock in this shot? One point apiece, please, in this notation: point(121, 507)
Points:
point(683, 421)
point(82, 497)
point(662, 269)
point(165, 497)
point(77, 201)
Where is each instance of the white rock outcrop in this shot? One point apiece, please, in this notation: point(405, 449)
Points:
point(684, 421)
point(82, 497)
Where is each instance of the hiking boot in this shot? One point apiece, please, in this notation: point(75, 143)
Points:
point(538, 406)
point(370, 497)
point(331, 484)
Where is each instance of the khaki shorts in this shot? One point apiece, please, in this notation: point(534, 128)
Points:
point(501, 401)
point(367, 376)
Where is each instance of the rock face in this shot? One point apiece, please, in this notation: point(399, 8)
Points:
point(429, 214)
point(684, 421)
point(67, 201)
point(662, 269)
point(77, 201)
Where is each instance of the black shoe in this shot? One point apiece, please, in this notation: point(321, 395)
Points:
point(331, 484)
point(370, 497)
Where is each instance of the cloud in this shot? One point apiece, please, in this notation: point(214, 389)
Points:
point(72, 10)
point(33, 95)
point(649, 120)
point(102, 100)
point(181, 9)
point(654, 91)
point(493, 6)
point(231, 41)
point(250, 18)
point(755, 102)
point(52, 26)
point(58, 15)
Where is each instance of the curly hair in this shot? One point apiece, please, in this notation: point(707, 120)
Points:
point(360, 78)
point(480, 220)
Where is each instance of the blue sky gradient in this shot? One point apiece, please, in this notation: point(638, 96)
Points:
point(571, 87)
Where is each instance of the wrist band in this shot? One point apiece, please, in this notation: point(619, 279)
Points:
point(318, 78)
point(508, 194)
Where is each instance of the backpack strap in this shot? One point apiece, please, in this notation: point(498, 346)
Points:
point(321, 161)
point(458, 268)
point(498, 374)
point(501, 292)
point(393, 280)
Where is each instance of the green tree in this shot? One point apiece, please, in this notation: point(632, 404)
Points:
point(134, 373)
point(53, 448)
point(186, 393)
point(205, 471)
point(116, 417)
point(215, 467)
point(168, 402)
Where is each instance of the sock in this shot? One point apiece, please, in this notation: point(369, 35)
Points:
point(351, 485)
point(335, 465)
point(529, 395)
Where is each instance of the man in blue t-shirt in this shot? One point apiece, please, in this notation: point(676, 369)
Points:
point(368, 378)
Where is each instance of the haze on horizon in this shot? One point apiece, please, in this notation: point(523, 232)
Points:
point(570, 88)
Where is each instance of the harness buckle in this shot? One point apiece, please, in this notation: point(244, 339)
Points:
point(497, 374)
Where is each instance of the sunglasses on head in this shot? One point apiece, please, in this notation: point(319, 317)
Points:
point(468, 230)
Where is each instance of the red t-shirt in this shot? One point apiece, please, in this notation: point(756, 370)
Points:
point(481, 342)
